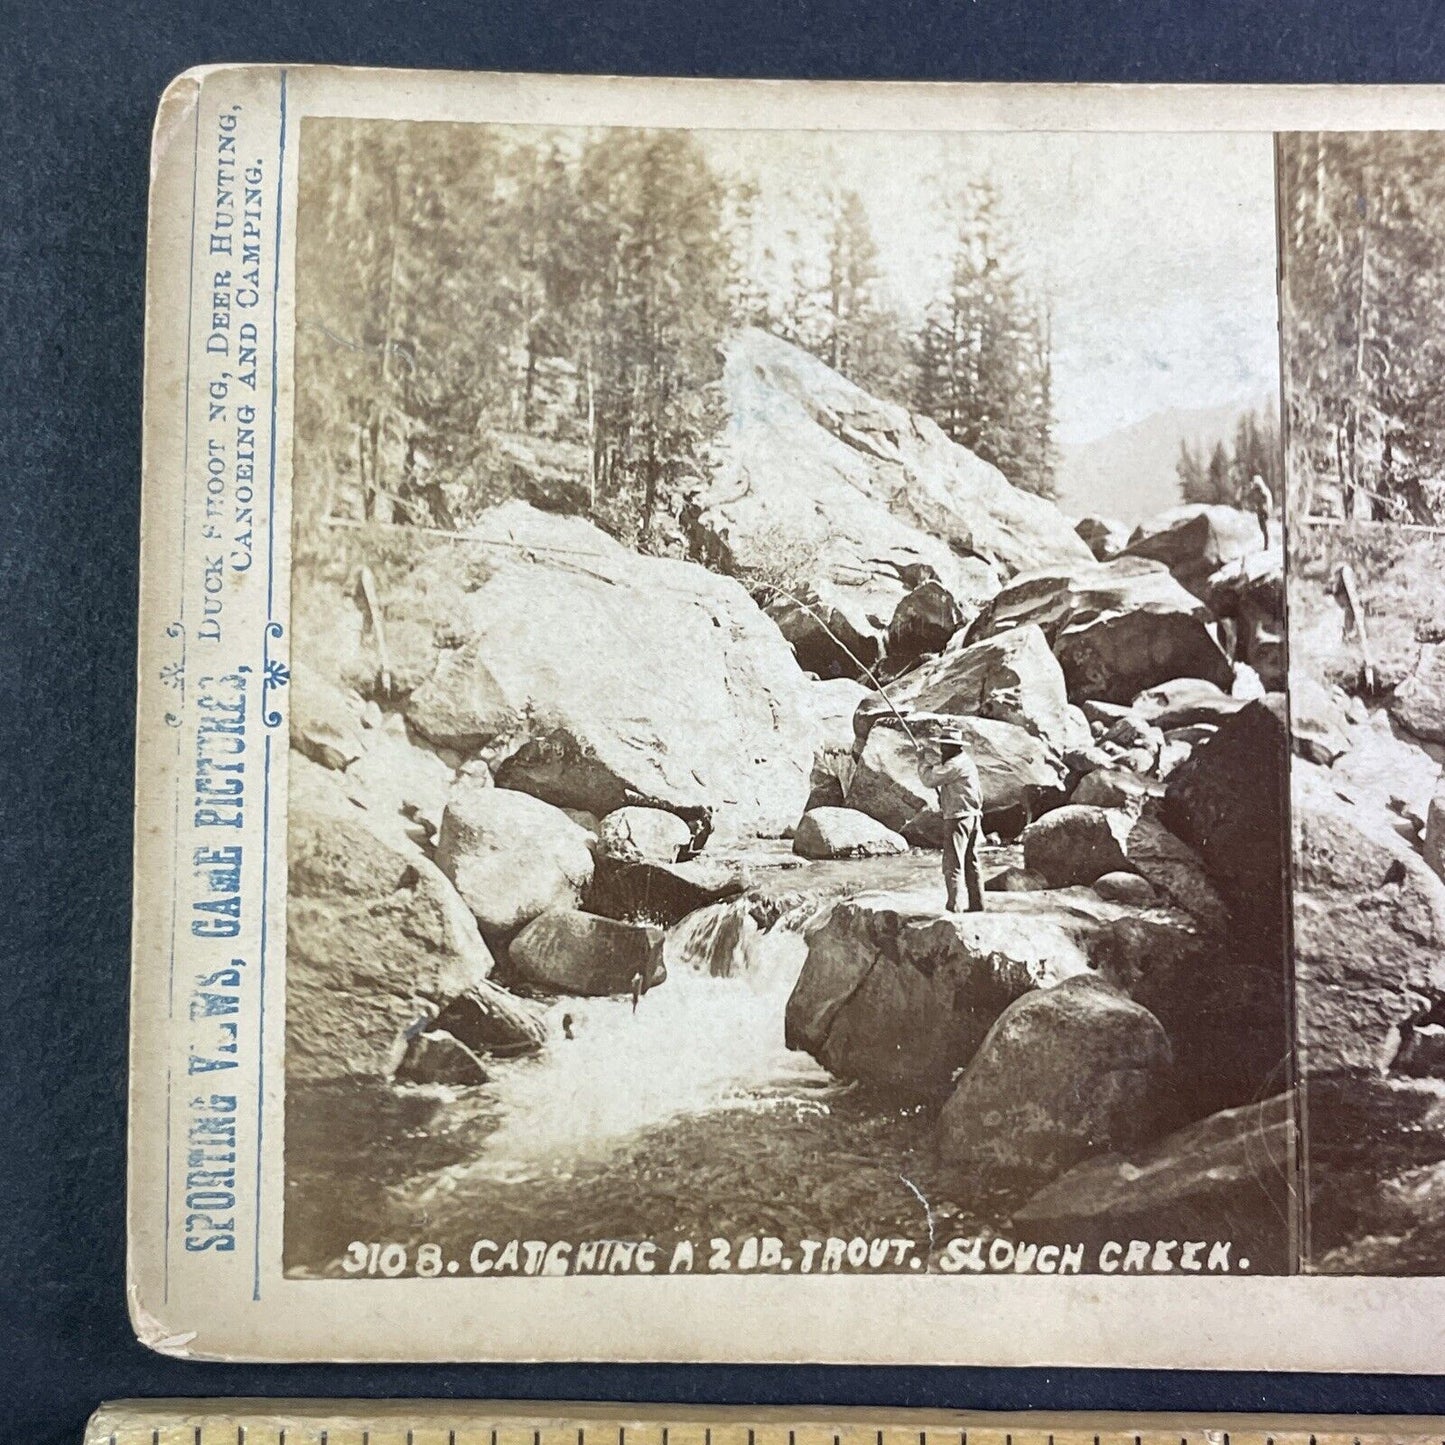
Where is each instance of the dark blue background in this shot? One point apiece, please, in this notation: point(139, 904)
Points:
point(75, 113)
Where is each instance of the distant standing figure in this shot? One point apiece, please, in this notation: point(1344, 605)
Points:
point(945, 765)
point(1261, 503)
point(567, 1027)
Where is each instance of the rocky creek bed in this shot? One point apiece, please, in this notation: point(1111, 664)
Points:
point(688, 1118)
point(537, 777)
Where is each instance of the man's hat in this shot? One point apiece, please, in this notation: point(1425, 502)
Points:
point(951, 733)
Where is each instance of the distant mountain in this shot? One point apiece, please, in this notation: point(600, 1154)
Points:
point(1129, 474)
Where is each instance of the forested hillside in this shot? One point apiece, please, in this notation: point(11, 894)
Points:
point(1363, 255)
point(481, 301)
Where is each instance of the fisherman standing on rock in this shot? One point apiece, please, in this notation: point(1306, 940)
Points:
point(943, 764)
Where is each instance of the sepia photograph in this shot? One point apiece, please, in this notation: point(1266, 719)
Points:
point(1362, 220)
point(788, 751)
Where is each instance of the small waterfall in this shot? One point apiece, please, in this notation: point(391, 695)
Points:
point(721, 941)
point(710, 1036)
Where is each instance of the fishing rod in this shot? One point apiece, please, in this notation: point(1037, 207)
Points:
point(862, 666)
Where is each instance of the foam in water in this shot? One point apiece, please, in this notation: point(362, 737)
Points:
point(694, 1043)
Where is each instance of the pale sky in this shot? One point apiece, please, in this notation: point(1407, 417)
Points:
point(1157, 250)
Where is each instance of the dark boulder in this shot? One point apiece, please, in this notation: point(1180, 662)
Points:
point(1103, 536)
point(922, 622)
point(1116, 656)
point(489, 1020)
point(661, 893)
point(581, 953)
point(436, 1057)
point(1229, 803)
point(1194, 541)
point(1065, 1073)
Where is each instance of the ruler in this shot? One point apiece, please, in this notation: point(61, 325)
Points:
point(452, 1422)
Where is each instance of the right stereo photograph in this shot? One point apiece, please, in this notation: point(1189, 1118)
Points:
point(1362, 268)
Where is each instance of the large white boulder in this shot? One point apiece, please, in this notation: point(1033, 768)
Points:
point(851, 502)
point(1369, 930)
point(1419, 702)
point(637, 835)
point(844, 833)
point(511, 856)
point(377, 939)
point(324, 719)
point(402, 778)
point(596, 678)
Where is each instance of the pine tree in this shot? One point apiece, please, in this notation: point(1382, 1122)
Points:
point(982, 358)
point(837, 307)
point(1363, 270)
point(656, 287)
point(1193, 484)
point(1218, 476)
